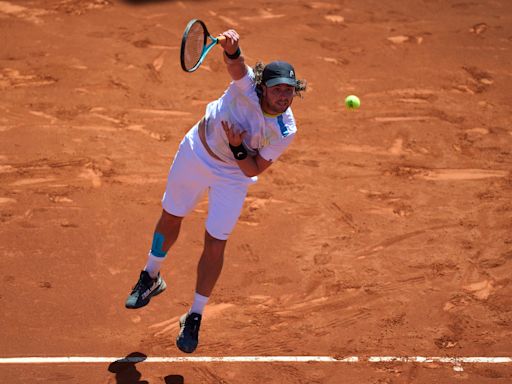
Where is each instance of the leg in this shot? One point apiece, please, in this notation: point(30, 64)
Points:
point(150, 283)
point(186, 182)
point(169, 226)
point(226, 197)
point(166, 233)
point(208, 271)
point(185, 185)
point(226, 200)
point(210, 264)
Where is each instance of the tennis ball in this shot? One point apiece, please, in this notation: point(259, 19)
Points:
point(352, 102)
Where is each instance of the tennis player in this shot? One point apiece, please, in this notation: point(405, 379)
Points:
point(241, 135)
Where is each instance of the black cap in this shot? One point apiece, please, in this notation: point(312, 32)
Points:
point(278, 72)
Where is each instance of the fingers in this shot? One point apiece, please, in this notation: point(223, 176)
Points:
point(234, 138)
point(228, 130)
point(226, 126)
point(232, 40)
point(232, 36)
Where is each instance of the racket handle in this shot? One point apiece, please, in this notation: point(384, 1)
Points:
point(220, 38)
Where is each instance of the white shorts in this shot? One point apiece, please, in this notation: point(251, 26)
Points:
point(193, 172)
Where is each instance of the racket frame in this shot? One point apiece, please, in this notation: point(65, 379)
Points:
point(206, 47)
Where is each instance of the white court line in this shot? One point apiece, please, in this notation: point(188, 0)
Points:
point(195, 359)
point(445, 360)
point(258, 359)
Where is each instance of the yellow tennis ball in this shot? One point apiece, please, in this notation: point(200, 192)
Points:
point(352, 102)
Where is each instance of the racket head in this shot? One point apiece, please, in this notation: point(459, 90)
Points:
point(194, 45)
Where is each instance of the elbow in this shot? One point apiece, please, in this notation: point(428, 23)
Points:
point(250, 173)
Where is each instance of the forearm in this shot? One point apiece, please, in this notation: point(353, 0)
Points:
point(233, 55)
point(252, 165)
point(236, 67)
point(249, 166)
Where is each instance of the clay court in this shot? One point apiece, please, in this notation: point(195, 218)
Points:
point(384, 231)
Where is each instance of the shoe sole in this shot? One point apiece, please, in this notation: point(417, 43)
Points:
point(160, 289)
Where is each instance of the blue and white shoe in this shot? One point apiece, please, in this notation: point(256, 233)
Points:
point(144, 290)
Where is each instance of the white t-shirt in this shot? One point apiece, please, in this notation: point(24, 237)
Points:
point(239, 105)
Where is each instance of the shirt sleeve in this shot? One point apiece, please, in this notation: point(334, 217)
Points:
point(272, 151)
point(246, 84)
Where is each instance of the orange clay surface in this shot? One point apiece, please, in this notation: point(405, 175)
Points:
point(381, 231)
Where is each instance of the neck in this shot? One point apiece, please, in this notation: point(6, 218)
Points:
point(270, 114)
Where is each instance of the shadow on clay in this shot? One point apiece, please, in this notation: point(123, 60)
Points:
point(126, 372)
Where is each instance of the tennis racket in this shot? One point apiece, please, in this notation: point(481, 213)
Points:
point(195, 45)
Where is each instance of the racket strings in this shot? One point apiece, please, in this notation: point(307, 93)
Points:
point(194, 45)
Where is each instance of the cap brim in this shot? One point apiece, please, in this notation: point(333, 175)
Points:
point(281, 80)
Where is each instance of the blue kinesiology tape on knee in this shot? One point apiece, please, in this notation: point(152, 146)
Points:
point(158, 245)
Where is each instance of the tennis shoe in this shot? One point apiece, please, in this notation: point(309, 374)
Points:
point(188, 338)
point(144, 290)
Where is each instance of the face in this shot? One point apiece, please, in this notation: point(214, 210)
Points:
point(278, 98)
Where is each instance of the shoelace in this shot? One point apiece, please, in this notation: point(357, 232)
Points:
point(141, 285)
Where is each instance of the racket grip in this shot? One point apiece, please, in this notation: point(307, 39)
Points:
point(220, 38)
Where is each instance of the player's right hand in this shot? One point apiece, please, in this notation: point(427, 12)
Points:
point(231, 41)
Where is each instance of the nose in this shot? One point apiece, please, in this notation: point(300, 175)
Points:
point(286, 94)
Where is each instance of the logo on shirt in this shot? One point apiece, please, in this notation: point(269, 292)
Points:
point(282, 126)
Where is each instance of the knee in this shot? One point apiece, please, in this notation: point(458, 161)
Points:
point(214, 247)
point(170, 220)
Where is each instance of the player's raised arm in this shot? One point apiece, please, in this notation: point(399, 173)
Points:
point(233, 55)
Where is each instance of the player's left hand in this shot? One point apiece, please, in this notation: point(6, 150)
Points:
point(235, 138)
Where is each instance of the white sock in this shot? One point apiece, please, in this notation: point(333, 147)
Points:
point(153, 265)
point(199, 303)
